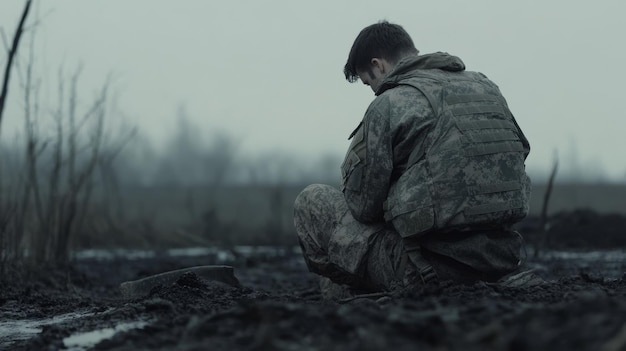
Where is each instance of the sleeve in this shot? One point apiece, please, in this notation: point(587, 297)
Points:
point(367, 168)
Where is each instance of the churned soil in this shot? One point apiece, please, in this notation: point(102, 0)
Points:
point(279, 307)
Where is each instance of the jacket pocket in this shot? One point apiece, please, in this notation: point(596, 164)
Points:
point(351, 172)
point(352, 167)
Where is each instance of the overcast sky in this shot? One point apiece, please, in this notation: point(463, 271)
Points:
point(270, 72)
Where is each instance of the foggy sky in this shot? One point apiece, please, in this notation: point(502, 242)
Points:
point(270, 72)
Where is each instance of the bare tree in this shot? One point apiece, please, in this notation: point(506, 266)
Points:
point(63, 192)
point(44, 207)
point(9, 207)
point(60, 168)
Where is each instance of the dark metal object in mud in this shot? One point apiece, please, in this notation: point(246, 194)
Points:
point(138, 288)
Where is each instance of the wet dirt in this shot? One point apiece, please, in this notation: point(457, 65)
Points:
point(279, 307)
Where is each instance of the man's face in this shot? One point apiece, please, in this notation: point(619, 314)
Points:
point(371, 77)
point(374, 75)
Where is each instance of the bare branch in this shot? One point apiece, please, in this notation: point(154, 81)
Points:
point(544, 208)
point(546, 197)
point(124, 140)
point(12, 52)
point(58, 114)
point(39, 19)
point(97, 105)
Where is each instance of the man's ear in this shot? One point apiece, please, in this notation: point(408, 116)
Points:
point(380, 64)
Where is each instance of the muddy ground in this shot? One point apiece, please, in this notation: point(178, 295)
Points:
point(279, 307)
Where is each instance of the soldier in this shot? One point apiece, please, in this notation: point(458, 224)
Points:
point(432, 181)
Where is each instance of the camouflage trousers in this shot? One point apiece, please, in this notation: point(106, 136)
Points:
point(337, 246)
point(372, 256)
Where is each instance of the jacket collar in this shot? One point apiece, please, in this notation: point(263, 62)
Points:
point(404, 68)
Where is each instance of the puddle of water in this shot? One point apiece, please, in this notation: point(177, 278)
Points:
point(85, 340)
point(109, 254)
point(18, 330)
point(22, 329)
point(266, 250)
point(221, 255)
point(608, 255)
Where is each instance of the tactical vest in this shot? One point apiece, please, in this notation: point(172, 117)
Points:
point(471, 172)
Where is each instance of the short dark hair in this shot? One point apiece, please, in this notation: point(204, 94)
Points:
point(381, 40)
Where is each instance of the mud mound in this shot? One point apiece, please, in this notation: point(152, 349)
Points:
point(191, 293)
point(41, 291)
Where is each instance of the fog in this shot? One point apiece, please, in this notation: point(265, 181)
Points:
point(191, 157)
point(258, 87)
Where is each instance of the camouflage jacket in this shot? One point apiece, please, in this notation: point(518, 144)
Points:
point(437, 148)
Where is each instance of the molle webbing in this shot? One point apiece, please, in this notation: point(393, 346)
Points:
point(462, 190)
point(458, 99)
point(487, 136)
point(476, 109)
point(485, 124)
point(473, 110)
point(493, 207)
point(488, 149)
point(452, 190)
point(490, 136)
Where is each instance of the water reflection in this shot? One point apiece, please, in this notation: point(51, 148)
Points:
point(22, 329)
point(84, 340)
